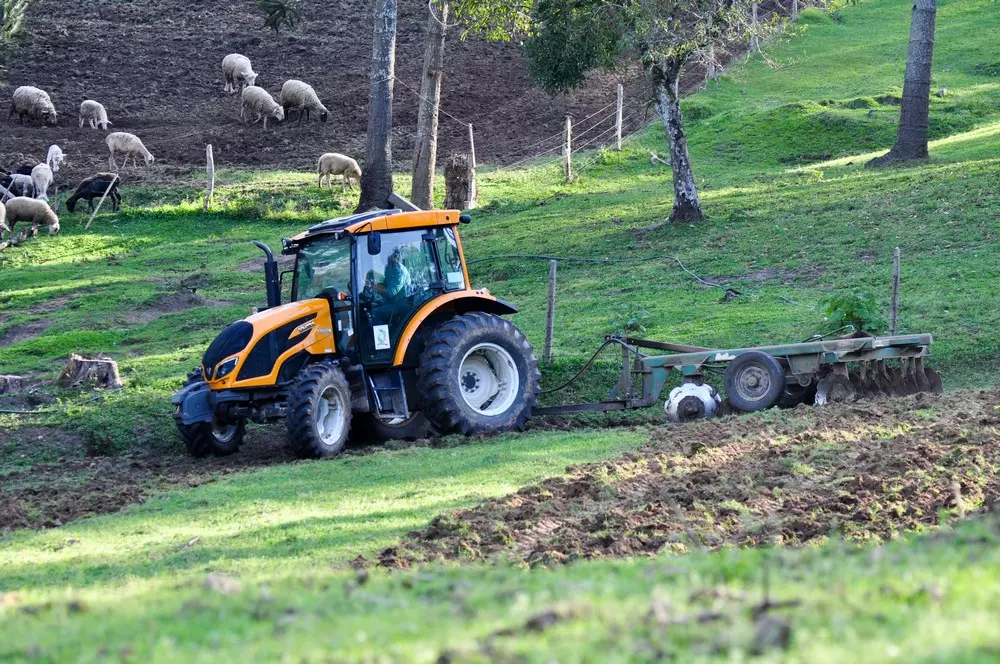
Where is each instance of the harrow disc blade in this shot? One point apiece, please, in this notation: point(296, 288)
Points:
point(923, 384)
point(834, 389)
point(933, 381)
point(911, 382)
point(897, 385)
point(860, 385)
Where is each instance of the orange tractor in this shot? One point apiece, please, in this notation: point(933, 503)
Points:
point(383, 333)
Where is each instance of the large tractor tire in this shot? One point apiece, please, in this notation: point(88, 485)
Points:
point(214, 438)
point(366, 428)
point(478, 374)
point(319, 412)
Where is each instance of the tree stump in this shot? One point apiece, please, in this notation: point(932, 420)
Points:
point(11, 384)
point(460, 183)
point(100, 372)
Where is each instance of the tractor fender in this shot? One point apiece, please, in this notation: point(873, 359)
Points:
point(446, 306)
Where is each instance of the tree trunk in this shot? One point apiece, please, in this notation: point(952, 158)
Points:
point(425, 156)
point(376, 180)
point(914, 113)
point(665, 79)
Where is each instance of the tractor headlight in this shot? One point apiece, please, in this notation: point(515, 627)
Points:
point(225, 368)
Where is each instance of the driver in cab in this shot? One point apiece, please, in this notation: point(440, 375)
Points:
point(397, 277)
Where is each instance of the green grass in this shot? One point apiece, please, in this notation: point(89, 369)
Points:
point(777, 153)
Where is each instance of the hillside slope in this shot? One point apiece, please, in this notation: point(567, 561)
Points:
point(156, 67)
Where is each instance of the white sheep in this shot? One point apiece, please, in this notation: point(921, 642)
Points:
point(93, 113)
point(129, 145)
point(237, 70)
point(20, 185)
point(55, 158)
point(35, 212)
point(333, 163)
point(34, 103)
point(300, 97)
point(3, 224)
point(257, 104)
point(41, 180)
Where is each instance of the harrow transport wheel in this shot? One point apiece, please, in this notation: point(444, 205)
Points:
point(215, 438)
point(319, 412)
point(834, 388)
point(367, 428)
point(754, 381)
point(478, 374)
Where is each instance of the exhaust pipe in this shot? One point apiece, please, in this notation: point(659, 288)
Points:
point(270, 276)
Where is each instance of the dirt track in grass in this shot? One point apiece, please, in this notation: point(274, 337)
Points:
point(870, 470)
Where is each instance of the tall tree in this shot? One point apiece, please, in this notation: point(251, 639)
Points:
point(425, 153)
point(376, 179)
point(914, 112)
point(573, 38)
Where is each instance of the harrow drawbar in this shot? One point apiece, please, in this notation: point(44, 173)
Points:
point(818, 370)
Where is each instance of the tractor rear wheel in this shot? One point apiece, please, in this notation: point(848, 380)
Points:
point(478, 374)
point(319, 412)
point(215, 438)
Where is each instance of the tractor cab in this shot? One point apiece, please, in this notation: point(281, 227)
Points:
point(376, 280)
point(383, 333)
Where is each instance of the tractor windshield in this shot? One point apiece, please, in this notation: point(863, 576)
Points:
point(323, 268)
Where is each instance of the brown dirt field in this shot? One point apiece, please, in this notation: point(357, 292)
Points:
point(49, 495)
point(156, 66)
point(870, 470)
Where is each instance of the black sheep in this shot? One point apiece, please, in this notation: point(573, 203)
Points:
point(94, 187)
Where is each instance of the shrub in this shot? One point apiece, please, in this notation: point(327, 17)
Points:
point(854, 307)
point(12, 14)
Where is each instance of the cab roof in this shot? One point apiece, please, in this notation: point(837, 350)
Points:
point(378, 220)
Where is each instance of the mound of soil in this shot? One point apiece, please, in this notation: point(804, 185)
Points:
point(156, 67)
point(865, 471)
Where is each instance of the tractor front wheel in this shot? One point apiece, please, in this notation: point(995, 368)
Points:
point(215, 438)
point(478, 374)
point(319, 412)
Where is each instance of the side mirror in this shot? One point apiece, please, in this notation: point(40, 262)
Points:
point(374, 243)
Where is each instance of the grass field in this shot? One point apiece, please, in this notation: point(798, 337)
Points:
point(777, 152)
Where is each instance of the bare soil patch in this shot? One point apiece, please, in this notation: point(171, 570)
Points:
point(865, 471)
point(156, 67)
point(49, 495)
point(169, 303)
point(24, 332)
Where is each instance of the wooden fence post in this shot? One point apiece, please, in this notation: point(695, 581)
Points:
point(894, 306)
point(568, 149)
point(754, 41)
point(210, 160)
point(618, 117)
point(795, 9)
point(472, 148)
point(550, 316)
point(100, 202)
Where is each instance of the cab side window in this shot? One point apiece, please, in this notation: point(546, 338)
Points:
point(451, 259)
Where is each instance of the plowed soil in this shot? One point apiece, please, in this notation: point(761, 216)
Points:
point(156, 66)
point(870, 470)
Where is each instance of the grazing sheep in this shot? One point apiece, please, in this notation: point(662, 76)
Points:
point(54, 158)
point(257, 104)
point(33, 211)
point(129, 145)
point(238, 71)
point(34, 103)
point(94, 187)
point(17, 184)
point(3, 224)
point(299, 96)
point(93, 113)
point(333, 163)
point(41, 178)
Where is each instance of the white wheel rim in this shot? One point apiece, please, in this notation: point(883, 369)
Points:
point(330, 416)
point(488, 379)
point(223, 433)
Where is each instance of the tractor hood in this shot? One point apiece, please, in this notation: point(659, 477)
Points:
point(268, 347)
